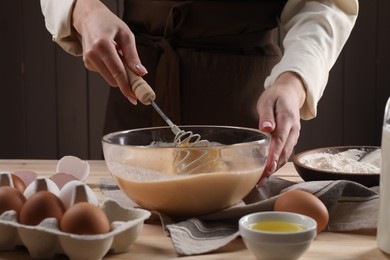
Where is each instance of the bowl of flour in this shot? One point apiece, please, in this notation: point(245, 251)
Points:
point(360, 164)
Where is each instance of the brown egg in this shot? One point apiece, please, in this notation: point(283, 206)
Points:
point(302, 202)
point(84, 218)
point(39, 206)
point(11, 199)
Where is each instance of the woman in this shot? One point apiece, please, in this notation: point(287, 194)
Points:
point(208, 61)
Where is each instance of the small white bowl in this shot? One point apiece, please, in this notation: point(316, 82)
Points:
point(277, 245)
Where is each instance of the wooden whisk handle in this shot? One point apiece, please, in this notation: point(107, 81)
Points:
point(140, 87)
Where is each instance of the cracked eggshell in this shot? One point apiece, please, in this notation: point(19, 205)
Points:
point(62, 178)
point(77, 191)
point(9, 179)
point(74, 166)
point(27, 176)
point(46, 240)
point(41, 184)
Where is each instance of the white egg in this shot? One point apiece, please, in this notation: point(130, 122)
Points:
point(74, 166)
point(77, 191)
point(41, 184)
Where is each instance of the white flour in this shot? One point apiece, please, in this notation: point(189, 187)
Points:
point(347, 161)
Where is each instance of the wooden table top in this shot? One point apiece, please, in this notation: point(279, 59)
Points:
point(154, 244)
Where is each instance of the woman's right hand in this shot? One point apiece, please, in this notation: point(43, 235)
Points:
point(103, 36)
point(279, 114)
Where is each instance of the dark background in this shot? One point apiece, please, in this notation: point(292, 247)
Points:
point(51, 106)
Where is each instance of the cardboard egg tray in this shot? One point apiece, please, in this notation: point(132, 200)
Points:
point(46, 240)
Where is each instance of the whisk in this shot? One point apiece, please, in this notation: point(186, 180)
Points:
point(186, 161)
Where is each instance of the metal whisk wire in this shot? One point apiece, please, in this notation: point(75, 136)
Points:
point(185, 161)
point(175, 128)
point(189, 161)
point(182, 138)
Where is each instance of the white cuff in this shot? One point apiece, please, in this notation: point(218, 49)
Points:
point(58, 20)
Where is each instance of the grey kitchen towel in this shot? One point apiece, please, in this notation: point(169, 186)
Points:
point(351, 206)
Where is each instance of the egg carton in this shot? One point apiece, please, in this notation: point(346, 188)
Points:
point(46, 240)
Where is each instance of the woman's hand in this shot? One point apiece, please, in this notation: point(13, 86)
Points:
point(103, 36)
point(278, 109)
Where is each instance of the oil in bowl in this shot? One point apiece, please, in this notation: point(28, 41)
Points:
point(277, 226)
point(277, 234)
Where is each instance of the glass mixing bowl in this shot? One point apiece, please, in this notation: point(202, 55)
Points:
point(186, 181)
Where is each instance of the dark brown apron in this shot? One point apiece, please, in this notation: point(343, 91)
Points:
point(207, 61)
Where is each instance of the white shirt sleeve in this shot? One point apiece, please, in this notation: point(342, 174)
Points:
point(316, 34)
point(58, 20)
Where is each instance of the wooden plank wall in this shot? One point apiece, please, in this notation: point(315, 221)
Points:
point(51, 106)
